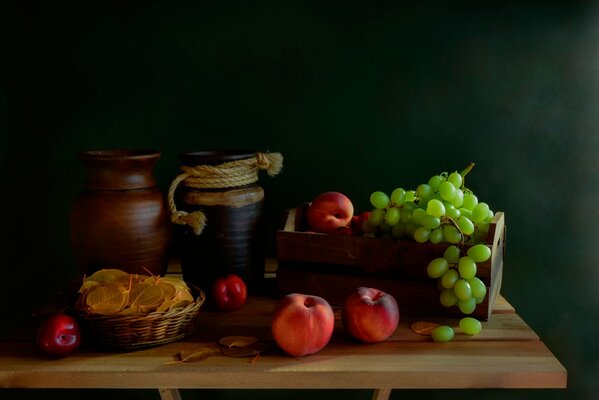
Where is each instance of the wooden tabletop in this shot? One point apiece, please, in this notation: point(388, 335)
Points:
point(506, 354)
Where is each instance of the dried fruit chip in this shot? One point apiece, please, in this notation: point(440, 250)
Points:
point(145, 296)
point(141, 293)
point(86, 285)
point(237, 341)
point(106, 275)
point(424, 328)
point(168, 289)
point(239, 351)
point(105, 298)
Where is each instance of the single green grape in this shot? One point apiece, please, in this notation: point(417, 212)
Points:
point(449, 278)
point(376, 216)
point(489, 216)
point(479, 253)
point(465, 212)
point(418, 215)
point(479, 289)
point(437, 267)
point(422, 234)
point(458, 198)
point(435, 208)
point(435, 181)
point(451, 234)
point(410, 196)
point(431, 222)
point(398, 196)
point(452, 254)
point(465, 225)
point(408, 205)
point(451, 211)
point(481, 231)
point(436, 236)
point(447, 190)
point(447, 298)
point(470, 325)
point(379, 199)
point(479, 299)
point(392, 216)
point(479, 212)
point(462, 289)
point(467, 306)
point(470, 200)
point(456, 179)
point(442, 333)
point(410, 228)
point(405, 215)
point(424, 191)
point(467, 267)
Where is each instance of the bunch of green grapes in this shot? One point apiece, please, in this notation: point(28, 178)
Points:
point(442, 210)
point(457, 279)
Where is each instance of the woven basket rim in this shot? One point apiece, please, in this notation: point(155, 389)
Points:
point(174, 325)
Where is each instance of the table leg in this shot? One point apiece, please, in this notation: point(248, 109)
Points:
point(170, 394)
point(381, 394)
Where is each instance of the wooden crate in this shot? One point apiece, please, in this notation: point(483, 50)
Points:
point(331, 266)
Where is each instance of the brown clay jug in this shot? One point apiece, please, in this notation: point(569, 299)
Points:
point(120, 218)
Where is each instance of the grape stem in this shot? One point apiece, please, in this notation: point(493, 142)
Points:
point(467, 169)
point(448, 220)
point(464, 173)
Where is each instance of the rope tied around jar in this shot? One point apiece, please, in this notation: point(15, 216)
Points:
point(226, 175)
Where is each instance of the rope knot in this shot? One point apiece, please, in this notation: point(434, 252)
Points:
point(226, 175)
point(271, 162)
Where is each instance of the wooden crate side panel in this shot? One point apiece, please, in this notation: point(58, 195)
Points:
point(415, 297)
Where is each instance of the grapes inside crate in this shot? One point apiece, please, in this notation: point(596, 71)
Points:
point(331, 266)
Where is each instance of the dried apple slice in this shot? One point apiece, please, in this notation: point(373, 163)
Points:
point(106, 275)
point(86, 285)
point(237, 341)
point(168, 288)
point(146, 297)
point(178, 283)
point(245, 351)
point(105, 298)
point(424, 328)
point(179, 304)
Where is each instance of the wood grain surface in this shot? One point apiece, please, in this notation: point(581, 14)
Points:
point(506, 354)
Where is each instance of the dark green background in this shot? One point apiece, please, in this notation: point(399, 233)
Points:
point(357, 95)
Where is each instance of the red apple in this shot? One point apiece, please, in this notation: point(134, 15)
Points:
point(302, 324)
point(370, 315)
point(329, 211)
point(229, 292)
point(58, 336)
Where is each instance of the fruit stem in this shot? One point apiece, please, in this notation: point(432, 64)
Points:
point(467, 169)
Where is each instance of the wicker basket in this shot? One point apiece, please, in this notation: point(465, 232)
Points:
point(130, 332)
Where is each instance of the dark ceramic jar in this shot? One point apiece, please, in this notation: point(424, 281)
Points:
point(233, 238)
point(120, 218)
